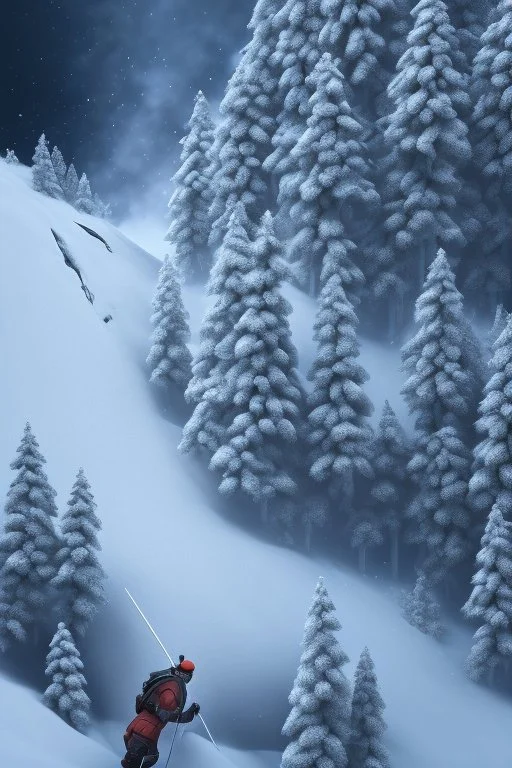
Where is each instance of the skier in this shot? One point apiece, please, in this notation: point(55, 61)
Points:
point(162, 700)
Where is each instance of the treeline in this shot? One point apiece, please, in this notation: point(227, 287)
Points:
point(50, 576)
point(52, 177)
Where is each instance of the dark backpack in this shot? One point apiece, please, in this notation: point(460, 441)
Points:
point(144, 700)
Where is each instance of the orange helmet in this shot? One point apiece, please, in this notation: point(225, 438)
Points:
point(186, 665)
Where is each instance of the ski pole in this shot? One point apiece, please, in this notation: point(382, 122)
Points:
point(170, 659)
point(150, 628)
point(172, 742)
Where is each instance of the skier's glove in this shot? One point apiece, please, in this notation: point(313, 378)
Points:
point(196, 708)
point(163, 715)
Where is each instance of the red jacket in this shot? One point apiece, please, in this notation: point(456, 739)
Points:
point(167, 696)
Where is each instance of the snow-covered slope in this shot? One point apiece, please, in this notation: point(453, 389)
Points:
point(233, 604)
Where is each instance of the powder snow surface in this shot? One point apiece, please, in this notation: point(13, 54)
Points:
point(233, 603)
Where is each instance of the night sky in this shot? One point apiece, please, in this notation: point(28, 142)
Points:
point(112, 82)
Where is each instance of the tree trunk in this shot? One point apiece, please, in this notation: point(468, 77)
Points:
point(391, 319)
point(264, 512)
point(362, 559)
point(308, 527)
point(394, 554)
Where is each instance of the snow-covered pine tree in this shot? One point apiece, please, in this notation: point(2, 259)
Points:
point(169, 358)
point(440, 518)
point(421, 609)
point(318, 727)
point(396, 35)
point(44, 178)
point(490, 272)
point(71, 185)
point(428, 145)
point(59, 166)
point(389, 489)
point(469, 19)
point(101, 210)
point(491, 482)
point(205, 428)
point(297, 52)
point(263, 395)
point(490, 602)
point(491, 81)
point(11, 158)
point(366, 534)
point(354, 32)
point(248, 111)
point(84, 202)
point(338, 409)
point(80, 577)
point(442, 358)
point(66, 695)
point(328, 183)
point(366, 749)
point(29, 544)
point(189, 204)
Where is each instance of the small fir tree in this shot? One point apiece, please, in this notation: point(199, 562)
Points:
point(66, 695)
point(71, 185)
point(441, 359)
point(366, 749)
point(169, 358)
point(389, 489)
point(489, 272)
point(296, 53)
point(205, 429)
point(189, 204)
point(248, 121)
point(11, 158)
point(262, 390)
point(29, 544)
point(490, 602)
point(59, 166)
point(338, 408)
point(44, 178)
point(491, 482)
point(492, 83)
point(101, 210)
point(426, 136)
point(79, 581)
point(318, 727)
point(84, 201)
point(421, 609)
point(328, 185)
point(439, 515)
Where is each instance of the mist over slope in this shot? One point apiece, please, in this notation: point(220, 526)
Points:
point(234, 604)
